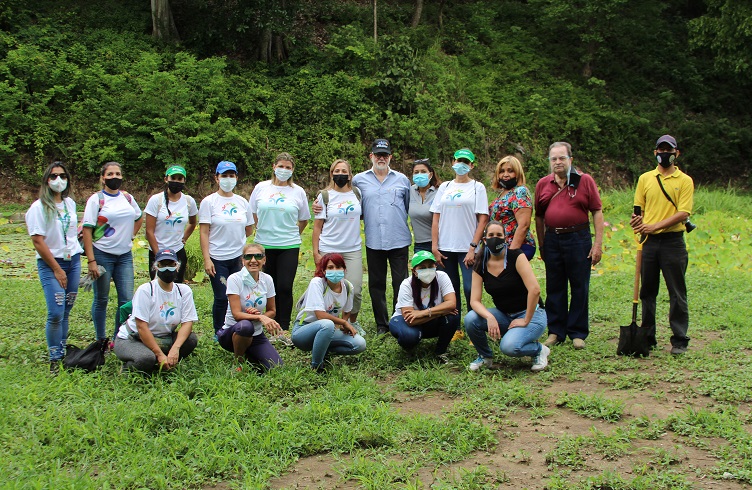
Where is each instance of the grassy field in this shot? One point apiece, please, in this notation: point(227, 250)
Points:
point(388, 419)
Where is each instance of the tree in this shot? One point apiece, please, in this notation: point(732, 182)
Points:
point(417, 13)
point(163, 25)
point(726, 29)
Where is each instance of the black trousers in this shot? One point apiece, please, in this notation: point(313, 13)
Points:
point(377, 261)
point(282, 265)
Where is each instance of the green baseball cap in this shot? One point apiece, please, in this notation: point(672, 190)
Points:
point(421, 256)
point(175, 169)
point(464, 153)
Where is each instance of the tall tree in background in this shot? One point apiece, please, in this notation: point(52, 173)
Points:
point(417, 13)
point(726, 30)
point(163, 25)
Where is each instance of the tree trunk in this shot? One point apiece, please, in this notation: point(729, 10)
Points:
point(375, 23)
point(417, 13)
point(163, 25)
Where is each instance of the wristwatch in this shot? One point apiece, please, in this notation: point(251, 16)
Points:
point(473, 244)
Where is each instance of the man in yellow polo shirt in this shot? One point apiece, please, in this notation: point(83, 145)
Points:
point(664, 197)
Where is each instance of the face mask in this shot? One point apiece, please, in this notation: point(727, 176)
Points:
point(495, 245)
point(167, 275)
point(227, 184)
point(283, 174)
point(421, 180)
point(461, 168)
point(508, 184)
point(665, 159)
point(341, 180)
point(335, 276)
point(426, 276)
point(58, 185)
point(248, 279)
point(175, 187)
point(113, 183)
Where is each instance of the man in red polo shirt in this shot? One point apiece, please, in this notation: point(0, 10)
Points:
point(563, 201)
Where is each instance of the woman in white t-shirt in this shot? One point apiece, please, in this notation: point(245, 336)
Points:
point(460, 212)
point(323, 322)
point(52, 224)
point(426, 307)
point(225, 221)
point(159, 331)
point(280, 209)
point(170, 219)
point(336, 229)
point(251, 310)
point(111, 219)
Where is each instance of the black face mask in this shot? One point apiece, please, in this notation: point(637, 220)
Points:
point(508, 184)
point(167, 276)
point(340, 180)
point(665, 159)
point(113, 183)
point(175, 187)
point(495, 245)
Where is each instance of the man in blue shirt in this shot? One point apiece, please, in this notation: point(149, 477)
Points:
point(386, 198)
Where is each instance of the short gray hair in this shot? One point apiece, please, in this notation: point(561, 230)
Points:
point(561, 143)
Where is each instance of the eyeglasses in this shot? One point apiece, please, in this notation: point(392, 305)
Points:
point(558, 159)
point(168, 268)
point(463, 160)
point(381, 155)
point(258, 256)
point(55, 176)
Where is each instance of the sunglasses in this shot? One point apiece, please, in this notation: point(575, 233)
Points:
point(258, 256)
point(170, 268)
point(55, 176)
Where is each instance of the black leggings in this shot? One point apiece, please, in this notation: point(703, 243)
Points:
point(282, 265)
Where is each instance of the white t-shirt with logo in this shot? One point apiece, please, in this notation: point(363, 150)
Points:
point(51, 227)
point(118, 216)
point(405, 295)
point(254, 297)
point(170, 227)
point(341, 231)
point(164, 311)
point(320, 297)
point(278, 209)
point(227, 218)
point(459, 204)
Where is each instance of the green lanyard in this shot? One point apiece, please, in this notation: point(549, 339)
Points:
point(64, 223)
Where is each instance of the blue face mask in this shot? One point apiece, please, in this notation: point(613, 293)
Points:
point(248, 279)
point(461, 168)
point(335, 276)
point(421, 180)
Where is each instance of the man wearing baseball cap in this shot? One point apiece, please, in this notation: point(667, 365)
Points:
point(663, 203)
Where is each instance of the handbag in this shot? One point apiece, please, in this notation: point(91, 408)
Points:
point(89, 359)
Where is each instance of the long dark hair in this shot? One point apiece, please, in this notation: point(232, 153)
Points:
point(46, 195)
point(482, 253)
point(435, 181)
point(416, 285)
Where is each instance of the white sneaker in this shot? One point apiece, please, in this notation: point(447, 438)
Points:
point(480, 362)
point(541, 360)
point(357, 326)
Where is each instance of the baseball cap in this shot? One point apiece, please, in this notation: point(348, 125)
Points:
point(175, 169)
point(381, 145)
point(464, 153)
point(166, 254)
point(666, 138)
point(421, 256)
point(225, 166)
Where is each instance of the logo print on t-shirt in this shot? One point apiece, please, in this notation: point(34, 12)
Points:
point(254, 299)
point(173, 219)
point(345, 207)
point(277, 200)
point(457, 193)
point(229, 209)
point(167, 310)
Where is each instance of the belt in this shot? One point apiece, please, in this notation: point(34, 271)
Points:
point(666, 236)
point(568, 229)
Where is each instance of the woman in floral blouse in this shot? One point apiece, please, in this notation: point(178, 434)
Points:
point(514, 206)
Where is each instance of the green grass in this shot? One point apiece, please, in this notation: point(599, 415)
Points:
point(206, 424)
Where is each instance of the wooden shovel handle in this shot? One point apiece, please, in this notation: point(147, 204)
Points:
point(636, 297)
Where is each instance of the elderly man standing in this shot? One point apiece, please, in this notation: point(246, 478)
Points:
point(563, 201)
point(664, 197)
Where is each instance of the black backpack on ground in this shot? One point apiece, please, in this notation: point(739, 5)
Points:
point(89, 359)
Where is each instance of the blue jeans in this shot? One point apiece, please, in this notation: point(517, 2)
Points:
point(515, 342)
point(567, 265)
point(59, 302)
point(222, 270)
point(322, 337)
point(408, 337)
point(453, 266)
point(119, 269)
point(528, 250)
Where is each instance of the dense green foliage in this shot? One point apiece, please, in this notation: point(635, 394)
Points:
point(86, 83)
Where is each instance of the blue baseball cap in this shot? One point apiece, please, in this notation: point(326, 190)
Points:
point(225, 166)
point(166, 254)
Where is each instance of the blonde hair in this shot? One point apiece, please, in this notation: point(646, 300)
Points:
point(256, 246)
point(516, 166)
point(331, 173)
point(284, 157)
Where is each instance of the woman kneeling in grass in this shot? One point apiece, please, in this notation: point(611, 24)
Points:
point(252, 308)
point(516, 318)
point(159, 332)
point(426, 307)
point(323, 323)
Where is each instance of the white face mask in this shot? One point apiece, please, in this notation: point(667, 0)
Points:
point(58, 185)
point(227, 184)
point(283, 174)
point(426, 276)
point(248, 279)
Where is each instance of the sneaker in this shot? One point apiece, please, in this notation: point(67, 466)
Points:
point(481, 362)
point(458, 335)
point(678, 350)
point(357, 326)
point(578, 343)
point(54, 368)
point(381, 330)
point(216, 338)
point(443, 358)
point(541, 360)
point(552, 340)
point(282, 339)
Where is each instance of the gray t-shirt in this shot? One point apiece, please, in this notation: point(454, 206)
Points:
point(421, 217)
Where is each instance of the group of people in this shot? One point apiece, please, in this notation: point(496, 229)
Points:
point(457, 236)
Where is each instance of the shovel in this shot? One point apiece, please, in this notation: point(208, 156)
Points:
point(633, 339)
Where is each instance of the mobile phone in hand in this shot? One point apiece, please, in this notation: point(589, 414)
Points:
point(637, 211)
